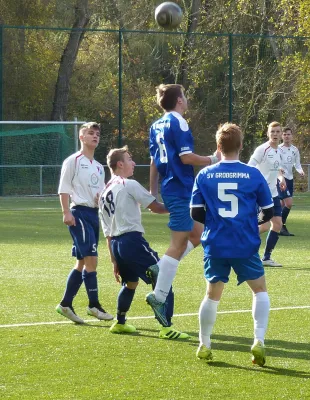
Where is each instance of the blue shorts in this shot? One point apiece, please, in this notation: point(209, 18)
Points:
point(133, 255)
point(180, 219)
point(288, 192)
point(277, 208)
point(85, 234)
point(218, 269)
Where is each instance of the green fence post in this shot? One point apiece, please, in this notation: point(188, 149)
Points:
point(230, 78)
point(120, 87)
point(1, 110)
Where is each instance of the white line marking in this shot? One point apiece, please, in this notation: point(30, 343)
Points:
point(149, 317)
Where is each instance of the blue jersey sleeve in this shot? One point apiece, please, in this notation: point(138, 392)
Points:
point(197, 199)
point(183, 137)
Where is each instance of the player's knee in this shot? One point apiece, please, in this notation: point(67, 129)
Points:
point(132, 285)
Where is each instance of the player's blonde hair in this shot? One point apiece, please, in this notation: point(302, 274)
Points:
point(167, 95)
point(116, 155)
point(273, 125)
point(89, 125)
point(229, 138)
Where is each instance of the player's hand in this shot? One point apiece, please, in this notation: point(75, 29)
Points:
point(96, 199)
point(302, 174)
point(68, 219)
point(282, 184)
point(116, 272)
point(218, 154)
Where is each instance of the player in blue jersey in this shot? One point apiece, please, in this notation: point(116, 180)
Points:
point(173, 158)
point(225, 198)
point(81, 181)
point(131, 255)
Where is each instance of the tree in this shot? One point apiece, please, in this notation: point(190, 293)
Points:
point(60, 103)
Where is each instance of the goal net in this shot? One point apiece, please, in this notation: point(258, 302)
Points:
point(31, 154)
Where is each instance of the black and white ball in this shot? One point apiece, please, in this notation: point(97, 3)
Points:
point(168, 15)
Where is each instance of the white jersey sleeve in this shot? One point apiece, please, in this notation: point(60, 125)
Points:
point(297, 162)
point(66, 176)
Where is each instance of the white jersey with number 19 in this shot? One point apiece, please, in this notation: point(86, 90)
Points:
point(119, 206)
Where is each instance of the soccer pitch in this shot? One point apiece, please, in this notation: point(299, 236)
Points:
point(44, 356)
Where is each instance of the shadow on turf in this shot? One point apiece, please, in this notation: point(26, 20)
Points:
point(266, 370)
point(275, 348)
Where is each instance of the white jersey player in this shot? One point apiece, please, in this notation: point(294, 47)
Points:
point(82, 179)
point(291, 158)
point(267, 158)
point(131, 255)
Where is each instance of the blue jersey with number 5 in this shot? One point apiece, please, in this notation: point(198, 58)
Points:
point(230, 191)
point(170, 138)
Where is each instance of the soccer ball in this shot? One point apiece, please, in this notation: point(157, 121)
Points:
point(168, 15)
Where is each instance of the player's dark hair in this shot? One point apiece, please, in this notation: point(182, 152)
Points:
point(116, 155)
point(287, 128)
point(167, 95)
point(229, 138)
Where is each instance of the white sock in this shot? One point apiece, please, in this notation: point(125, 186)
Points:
point(207, 317)
point(189, 248)
point(167, 271)
point(260, 314)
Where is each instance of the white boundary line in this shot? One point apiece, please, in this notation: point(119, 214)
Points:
point(148, 317)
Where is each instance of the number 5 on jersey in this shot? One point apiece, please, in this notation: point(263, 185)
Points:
point(222, 195)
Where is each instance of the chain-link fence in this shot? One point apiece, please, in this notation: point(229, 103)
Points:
point(248, 79)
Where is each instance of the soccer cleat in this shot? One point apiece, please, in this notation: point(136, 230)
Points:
point(285, 232)
point(152, 274)
point(258, 353)
point(204, 353)
point(158, 308)
point(99, 313)
point(271, 263)
point(170, 333)
point(69, 313)
point(122, 328)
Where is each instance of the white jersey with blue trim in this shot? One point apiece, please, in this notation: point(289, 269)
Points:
point(291, 158)
point(230, 192)
point(82, 179)
point(119, 206)
point(269, 161)
point(170, 138)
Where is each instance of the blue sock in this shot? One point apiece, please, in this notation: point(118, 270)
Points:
point(285, 213)
point(124, 301)
point(74, 282)
point(170, 306)
point(271, 242)
point(91, 284)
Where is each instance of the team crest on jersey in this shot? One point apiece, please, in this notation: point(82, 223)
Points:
point(289, 159)
point(276, 164)
point(94, 179)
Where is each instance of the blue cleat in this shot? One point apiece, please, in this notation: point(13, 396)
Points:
point(158, 308)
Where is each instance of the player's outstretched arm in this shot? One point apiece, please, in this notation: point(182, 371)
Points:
point(154, 175)
point(196, 160)
point(157, 208)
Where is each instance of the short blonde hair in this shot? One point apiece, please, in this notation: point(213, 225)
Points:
point(89, 125)
point(116, 155)
point(229, 138)
point(273, 125)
